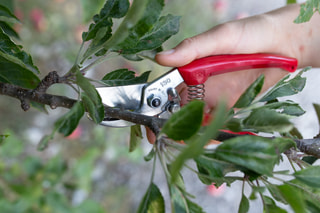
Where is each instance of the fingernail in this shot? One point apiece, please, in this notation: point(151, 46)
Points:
point(167, 52)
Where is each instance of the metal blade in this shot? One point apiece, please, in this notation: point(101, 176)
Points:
point(124, 97)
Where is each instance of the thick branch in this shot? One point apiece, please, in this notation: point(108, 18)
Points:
point(54, 101)
point(308, 146)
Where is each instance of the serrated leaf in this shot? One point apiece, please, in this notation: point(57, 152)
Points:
point(152, 201)
point(255, 153)
point(244, 204)
point(186, 122)
point(100, 30)
point(135, 137)
point(69, 122)
point(123, 77)
point(267, 120)
point(15, 53)
point(309, 176)
point(164, 28)
point(148, 13)
point(251, 93)
point(294, 198)
point(92, 99)
point(307, 10)
point(286, 87)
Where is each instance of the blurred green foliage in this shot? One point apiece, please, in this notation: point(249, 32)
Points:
point(41, 182)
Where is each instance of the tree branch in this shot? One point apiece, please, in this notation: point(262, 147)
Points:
point(308, 146)
point(38, 95)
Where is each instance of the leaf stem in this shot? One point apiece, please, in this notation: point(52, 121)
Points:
point(96, 62)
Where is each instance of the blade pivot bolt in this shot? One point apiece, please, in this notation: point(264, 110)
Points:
point(154, 101)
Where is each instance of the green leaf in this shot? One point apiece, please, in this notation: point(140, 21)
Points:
point(255, 153)
point(285, 107)
point(244, 204)
point(92, 101)
point(7, 29)
point(163, 29)
point(286, 87)
point(317, 109)
point(9, 4)
point(100, 30)
point(147, 54)
point(267, 120)
point(135, 137)
point(294, 197)
point(180, 203)
point(152, 201)
point(310, 159)
point(307, 10)
point(186, 122)
point(16, 65)
point(69, 122)
point(150, 155)
point(122, 77)
point(16, 73)
point(43, 144)
point(6, 15)
point(195, 148)
point(251, 93)
point(213, 171)
point(234, 124)
point(309, 176)
point(89, 105)
point(147, 15)
point(276, 193)
point(271, 207)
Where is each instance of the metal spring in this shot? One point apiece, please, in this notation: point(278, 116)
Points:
point(196, 92)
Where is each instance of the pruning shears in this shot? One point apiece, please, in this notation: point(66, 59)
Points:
point(160, 98)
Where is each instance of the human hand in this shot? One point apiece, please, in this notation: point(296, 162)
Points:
point(273, 32)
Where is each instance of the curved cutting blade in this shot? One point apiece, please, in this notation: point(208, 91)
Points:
point(123, 97)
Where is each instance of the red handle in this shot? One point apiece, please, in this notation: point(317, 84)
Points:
point(198, 71)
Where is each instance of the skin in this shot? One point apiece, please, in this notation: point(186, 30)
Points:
point(272, 32)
